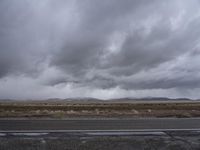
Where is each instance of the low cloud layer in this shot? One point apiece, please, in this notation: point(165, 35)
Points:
point(102, 49)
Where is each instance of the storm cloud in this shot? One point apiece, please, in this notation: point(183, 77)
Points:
point(102, 49)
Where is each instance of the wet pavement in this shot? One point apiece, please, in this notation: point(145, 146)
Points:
point(166, 140)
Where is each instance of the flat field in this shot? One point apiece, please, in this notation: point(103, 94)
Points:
point(99, 109)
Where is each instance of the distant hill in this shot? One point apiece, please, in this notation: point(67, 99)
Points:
point(157, 99)
point(95, 100)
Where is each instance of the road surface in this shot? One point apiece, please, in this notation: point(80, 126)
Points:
point(106, 134)
point(99, 124)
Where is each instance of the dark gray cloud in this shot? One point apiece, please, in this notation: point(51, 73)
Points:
point(22, 38)
point(129, 46)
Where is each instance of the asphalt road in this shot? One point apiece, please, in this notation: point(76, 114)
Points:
point(99, 124)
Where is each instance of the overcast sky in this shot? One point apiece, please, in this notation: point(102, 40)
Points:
point(99, 48)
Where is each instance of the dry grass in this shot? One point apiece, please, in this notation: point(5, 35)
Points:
point(61, 110)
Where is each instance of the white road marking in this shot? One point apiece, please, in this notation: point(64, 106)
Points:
point(89, 131)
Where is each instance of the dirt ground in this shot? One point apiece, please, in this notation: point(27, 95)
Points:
point(65, 110)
